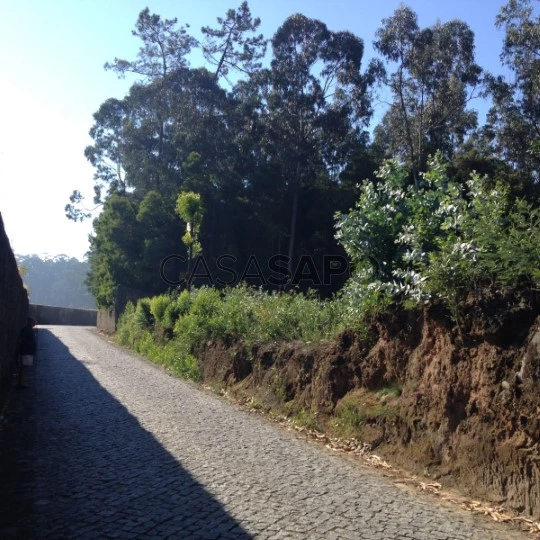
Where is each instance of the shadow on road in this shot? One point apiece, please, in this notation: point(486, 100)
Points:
point(99, 473)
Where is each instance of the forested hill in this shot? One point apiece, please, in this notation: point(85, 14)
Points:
point(56, 281)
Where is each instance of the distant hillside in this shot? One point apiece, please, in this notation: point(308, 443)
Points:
point(56, 281)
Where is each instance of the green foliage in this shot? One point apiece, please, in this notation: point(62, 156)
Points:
point(512, 122)
point(114, 247)
point(159, 306)
point(250, 315)
point(393, 390)
point(135, 330)
point(143, 317)
point(277, 383)
point(131, 237)
point(240, 313)
point(277, 155)
point(164, 47)
point(288, 316)
point(359, 408)
point(176, 308)
point(127, 330)
point(203, 321)
point(434, 79)
point(350, 416)
point(439, 240)
point(376, 411)
point(189, 207)
point(306, 418)
point(228, 47)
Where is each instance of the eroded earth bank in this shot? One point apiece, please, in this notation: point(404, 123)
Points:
point(459, 403)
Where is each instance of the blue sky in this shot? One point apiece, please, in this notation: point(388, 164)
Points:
point(52, 81)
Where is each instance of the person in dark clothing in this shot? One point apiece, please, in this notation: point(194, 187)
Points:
point(27, 350)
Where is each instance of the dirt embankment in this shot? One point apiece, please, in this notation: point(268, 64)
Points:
point(459, 403)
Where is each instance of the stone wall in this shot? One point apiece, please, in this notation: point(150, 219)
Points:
point(13, 310)
point(64, 316)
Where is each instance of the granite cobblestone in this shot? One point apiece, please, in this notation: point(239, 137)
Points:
point(123, 450)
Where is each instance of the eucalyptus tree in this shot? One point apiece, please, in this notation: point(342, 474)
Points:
point(514, 119)
point(106, 156)
point(433, 80)
point(314, 104)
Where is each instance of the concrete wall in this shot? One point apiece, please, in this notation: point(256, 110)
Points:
point(63, 316)
point(107, 319)
point(13, 310)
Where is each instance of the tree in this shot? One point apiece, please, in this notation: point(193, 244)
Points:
point(314, 103)
point(163, 50)
point(106, 155)
point(514, 120)
point(189, 207)
point(266, 158)
point(440, 240)
point(228, 47)
point(435, 78)
point(115, 249)
point(159, 230)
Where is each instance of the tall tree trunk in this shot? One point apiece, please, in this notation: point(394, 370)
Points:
point(294, 216)
point(293, 229)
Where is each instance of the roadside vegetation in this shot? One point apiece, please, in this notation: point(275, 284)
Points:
point(172, 329)
point(267, 150)
point(437, 241)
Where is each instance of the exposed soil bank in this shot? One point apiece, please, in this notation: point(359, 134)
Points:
point(460, 403)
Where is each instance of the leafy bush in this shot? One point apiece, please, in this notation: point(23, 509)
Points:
point(289, 316)
point(174, 354)
point(238, 312)
point(126, 326)
point(159, 305)
point(242, 313)
point(203, 321)
point(177, 307)
point(143, 317)
point(437, 240)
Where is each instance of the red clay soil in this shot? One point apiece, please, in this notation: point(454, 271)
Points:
point(469, 410)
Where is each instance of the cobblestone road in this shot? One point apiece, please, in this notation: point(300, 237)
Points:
point(123, 450)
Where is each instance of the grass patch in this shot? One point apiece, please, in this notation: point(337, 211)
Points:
point(393, 390)
point(306, 418)
point(279, 387)
point(359, 408)
point(375, 412)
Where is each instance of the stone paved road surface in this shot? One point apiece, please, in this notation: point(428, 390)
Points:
point(123, 450)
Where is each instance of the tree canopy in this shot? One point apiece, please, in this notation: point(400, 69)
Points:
point(272, 138)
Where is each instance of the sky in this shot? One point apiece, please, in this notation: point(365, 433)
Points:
point(52, 81)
